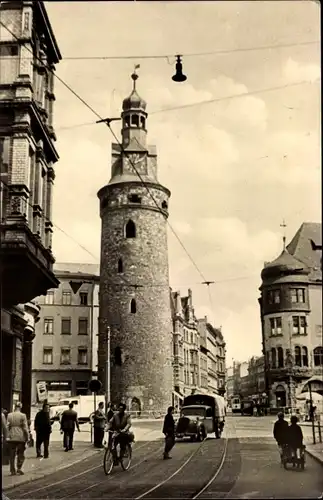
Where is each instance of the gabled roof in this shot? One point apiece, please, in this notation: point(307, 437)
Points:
point(306, 246)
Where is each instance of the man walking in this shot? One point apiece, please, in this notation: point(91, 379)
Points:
point(17, 438)
point(169, 431)
point(99, 424)
point(43, 429)
point(281, 433)
point(68, 422)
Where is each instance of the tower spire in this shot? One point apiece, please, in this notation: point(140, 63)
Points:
point(135, 77)
point(283, 225)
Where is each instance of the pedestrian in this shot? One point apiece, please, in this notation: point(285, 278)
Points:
point(43, 429)
point(17, 438)
point(169, 431)
point(68, 423)
point(295, 437)
point(99, 424)
point(110, 412)
point(281, 433)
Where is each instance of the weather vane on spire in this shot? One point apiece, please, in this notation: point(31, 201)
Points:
point(283, 225)
point(134, 75)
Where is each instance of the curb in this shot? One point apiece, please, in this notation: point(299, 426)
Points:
point(319, 460)
point(46, 473)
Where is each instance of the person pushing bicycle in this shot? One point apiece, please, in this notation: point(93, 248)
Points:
point(120, 424)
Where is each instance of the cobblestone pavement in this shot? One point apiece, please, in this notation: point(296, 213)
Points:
point(243, 464)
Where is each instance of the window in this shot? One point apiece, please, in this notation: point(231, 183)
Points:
point(142, 122)
point(318, 356)
point(192, 338)
point(66, 298)
point(49, 298)
point(298, 359)
point(48, 326)
point(66, 326)
point(65, 356)
point(9, 63)
point(120, 266)
point(276, 326)
point(164, 205)
point(298, 295)
point(280, 356)
point(83, 326)
point(130, 229)
point(135, 120)
point(274, 297)
point(304, 356)
point(133, 306)
point(273, 357)
point(134, 198)
point(82, 356)
point(118, 356)
point(127, 121)
point(299, 325)
point(83, 298)
point(47, 356)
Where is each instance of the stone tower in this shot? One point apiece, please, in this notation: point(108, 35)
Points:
point(134, 275)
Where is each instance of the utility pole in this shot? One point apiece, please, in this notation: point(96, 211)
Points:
point(107, 370)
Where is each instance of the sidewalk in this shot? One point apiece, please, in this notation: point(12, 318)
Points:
point(315, 451)
point(35, 468)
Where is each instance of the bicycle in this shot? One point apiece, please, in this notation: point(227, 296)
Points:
point(112, 455)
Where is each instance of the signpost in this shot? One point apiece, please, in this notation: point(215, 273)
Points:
point(94, 386)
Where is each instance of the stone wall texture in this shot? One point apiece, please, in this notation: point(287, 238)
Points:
point(145, 337)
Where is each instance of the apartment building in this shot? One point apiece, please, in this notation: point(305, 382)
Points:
point(66, 342)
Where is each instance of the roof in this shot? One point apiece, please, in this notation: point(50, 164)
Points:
point(306, 246)
point(53, 46)
point(77, 268)
point(285, 262)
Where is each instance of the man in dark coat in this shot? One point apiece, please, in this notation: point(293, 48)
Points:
point(169, 431)
point(68, 422)
point(98, 425)
point(281, 432)
point(295, 437)
point(43, 429)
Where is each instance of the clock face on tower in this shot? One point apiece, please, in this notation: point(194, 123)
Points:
point(135, 162)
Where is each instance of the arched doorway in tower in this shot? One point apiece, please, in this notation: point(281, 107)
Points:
point(280, 396)
point(136, 406)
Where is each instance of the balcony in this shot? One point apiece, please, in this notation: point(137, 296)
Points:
point(26, 265)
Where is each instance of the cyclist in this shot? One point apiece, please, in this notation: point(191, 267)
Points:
point(120, 423)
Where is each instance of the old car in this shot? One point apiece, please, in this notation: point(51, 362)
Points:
point(201, 415)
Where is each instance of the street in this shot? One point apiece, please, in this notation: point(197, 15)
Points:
point(243, 464)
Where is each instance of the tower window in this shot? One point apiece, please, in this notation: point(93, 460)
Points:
point(133, 306)
point(127, 121)
point(120, 266)
point(143, 122)
point(164, 205)
point(130, 229)
point(118, 356)
point(135, 120)
point(134, 198)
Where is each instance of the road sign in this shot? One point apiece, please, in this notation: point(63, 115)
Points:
point(75, 285)
point(95, 385)
point(42, 391)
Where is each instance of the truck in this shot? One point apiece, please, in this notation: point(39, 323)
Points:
point(84, 405)
point(201, 415)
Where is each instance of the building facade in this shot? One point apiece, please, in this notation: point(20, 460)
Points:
point(291, 314)
point(65, 346)
point(134, 272)
point(186, 358)
point(28, 56)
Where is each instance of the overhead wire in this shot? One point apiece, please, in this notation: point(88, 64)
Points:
point(193, 54)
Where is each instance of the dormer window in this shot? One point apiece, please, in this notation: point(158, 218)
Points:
point(135, 120)
point(134, 198)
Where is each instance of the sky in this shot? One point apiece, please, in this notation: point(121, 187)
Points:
point(236, 167)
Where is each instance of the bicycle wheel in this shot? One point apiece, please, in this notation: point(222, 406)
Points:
point(108, 461)
point(126, 459)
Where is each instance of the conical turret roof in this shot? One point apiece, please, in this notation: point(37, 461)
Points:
point(284, 264)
